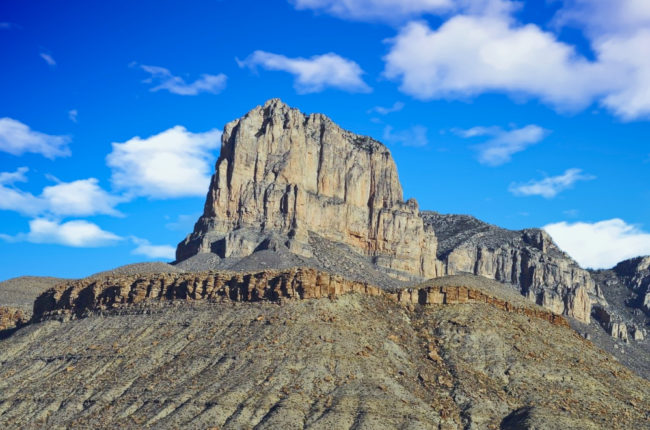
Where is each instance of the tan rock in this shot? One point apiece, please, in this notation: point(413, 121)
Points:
point(285, 173)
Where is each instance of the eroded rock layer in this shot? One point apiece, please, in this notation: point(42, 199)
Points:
point(527, 259)
point(97, 294)
point(282, 174)
point(11, 318)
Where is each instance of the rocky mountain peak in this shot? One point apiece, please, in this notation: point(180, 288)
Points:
point(291, 188)
point(284, 177)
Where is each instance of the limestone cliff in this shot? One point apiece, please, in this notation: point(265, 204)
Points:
point(284, 178)
point(528, 259)
point(283, 175)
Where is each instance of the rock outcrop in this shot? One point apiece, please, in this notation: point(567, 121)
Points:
point(11, 318)
point(527, 258)
point(283, 175)
point(626, 290)
point(85, 296)
point(287, 182)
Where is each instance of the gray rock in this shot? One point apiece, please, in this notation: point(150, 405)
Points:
point(527, 259)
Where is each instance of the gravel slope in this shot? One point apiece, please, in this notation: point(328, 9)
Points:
point(355, 362)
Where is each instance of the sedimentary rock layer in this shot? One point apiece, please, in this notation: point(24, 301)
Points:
point(282, 174)
point(80, 297)
point(11, 318)
point(527, 258)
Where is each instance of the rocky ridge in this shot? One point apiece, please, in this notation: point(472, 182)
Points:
point(527, 259)
point(282, 175)
point(287, 182)
point(86, 296)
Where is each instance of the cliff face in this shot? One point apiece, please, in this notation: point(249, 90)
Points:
point(625, 312)
point(282, 175)
point(284, 178)
point(528, 259)
point(109, 293)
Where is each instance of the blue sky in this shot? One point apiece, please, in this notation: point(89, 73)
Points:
point(524, 114)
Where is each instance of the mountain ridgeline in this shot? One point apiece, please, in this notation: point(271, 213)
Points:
point(312, 295)
point(290, 182)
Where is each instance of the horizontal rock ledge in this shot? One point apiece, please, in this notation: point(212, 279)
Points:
point(96, 294)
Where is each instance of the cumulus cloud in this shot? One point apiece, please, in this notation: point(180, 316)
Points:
point(78, 198)
point(503, 143)
point(629, 65)
point(48, 59)
point(174, 163)
point(165, 80)
point(414, 136)
point(17, 138)
point(400, 10)
point(396, 107)
point(601, 244)
point(314, 74)
point(150, 251)
point(472, 54)
point(77, 233)
point(72, 114)
point(549, 187)
point(469, 55)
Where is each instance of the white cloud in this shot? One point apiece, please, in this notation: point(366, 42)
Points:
point(396, 107)
point(176, 85)
point(8, 178)
point(145, 248)
point(78, 198)
point(17, 200)
point(72, 114)
point(601, 244)
point(504, 143)
point(400, 10)
point(469, 55)
point(313, 74)
point(628, 60)
point(17, 138)
point(473, 54)
point(549, 187)
point(414, 136)
point(77, 233)
point(601, 18)
point(48, 59)
point(174, 163)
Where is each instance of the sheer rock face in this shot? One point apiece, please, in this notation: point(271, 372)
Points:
point(528, 259)
point(282, 174)
point(626, 288)
point(283, 177)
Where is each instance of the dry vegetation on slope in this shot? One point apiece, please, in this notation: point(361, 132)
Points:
point(356, 361)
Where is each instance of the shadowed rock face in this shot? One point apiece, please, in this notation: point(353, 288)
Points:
point(282, 174)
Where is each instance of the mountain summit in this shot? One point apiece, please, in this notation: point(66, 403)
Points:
point(299, 185)
point(283, 176)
